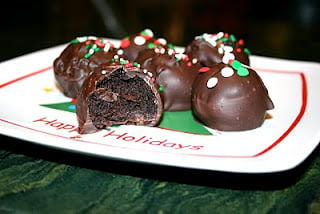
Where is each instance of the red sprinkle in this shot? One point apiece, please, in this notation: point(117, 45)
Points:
point(203, 69)
point(240, 42)
point(238, 50)
point(73, 101)
point(125, 43)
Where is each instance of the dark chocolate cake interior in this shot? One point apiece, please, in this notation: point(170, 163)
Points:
point(122, 98)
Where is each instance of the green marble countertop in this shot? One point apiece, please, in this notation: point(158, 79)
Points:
point(36, 179)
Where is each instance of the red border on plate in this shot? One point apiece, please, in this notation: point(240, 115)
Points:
point(270, 147)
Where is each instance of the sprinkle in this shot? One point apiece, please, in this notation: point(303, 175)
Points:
point(227, 57)
point(147, 32)
point(120, 52)
point(136, 64)
point(73, 100)
point(236, 64)
point(247, 51)
point(189, 64)
point(203, 69)
point(212, 82)
point(149, 74)
point(151, 45)
point(240, 42)
point(139, 40)
point(103, 71)
point(125, 43)
point(194, 60)
point(238, 50)
point(161, 88)
point(161, 41)
point(228, 49)
point(227, 72)
point(233, 38)
point(242, 71)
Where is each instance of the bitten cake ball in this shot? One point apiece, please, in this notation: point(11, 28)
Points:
point(175, 75)
point(230, 97)
point(78, 60)
point(211, 49)
point(118, 95)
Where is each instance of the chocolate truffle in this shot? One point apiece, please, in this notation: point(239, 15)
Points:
point(132, 45)
point(211, 49)
point(117, 95)
point(230, 97)
point(78, 60)
point(175, 75)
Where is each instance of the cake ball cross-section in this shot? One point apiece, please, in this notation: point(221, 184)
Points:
point(118, 95)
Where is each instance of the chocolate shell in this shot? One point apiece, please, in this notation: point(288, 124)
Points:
point(117, 95)
point(230, 97)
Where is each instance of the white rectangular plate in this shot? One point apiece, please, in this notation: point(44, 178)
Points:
point(33, 109)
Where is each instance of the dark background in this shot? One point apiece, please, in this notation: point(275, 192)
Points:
point(283, 29)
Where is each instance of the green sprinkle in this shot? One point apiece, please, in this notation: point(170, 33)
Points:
point(236, 64)
point(151, 45)
point(135, 64)
point(75, 41)
point(233, 38)
point(160, 88)
point(96, 49)
point(247, 51)
point(242, 71)
point(87, 55)
point(89, 46)
point(171, 46)
point(224, 39)
point(122, 62)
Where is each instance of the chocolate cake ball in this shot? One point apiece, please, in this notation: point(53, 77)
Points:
point(211, 49)
point(132, 45)
point(78, 60)
point(230, 97)
point(175, 75)
point(118, 94)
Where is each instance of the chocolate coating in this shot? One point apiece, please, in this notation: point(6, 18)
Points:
point(175, 77)
point(117, 94)
point(230, 100)
point(78, 60)
point(211, 49)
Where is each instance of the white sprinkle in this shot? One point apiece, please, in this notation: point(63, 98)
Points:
point(228, 49)
point(220, 35)
point(92, 38)
point(162, 41)
point(212, 82)
point(120, 52)
point(227, 72)
point(91, 51)
point(116, 57)
point(145, 71)
point(106, 47)
point(194, 60)
point(150, 74)
point(149, 32)
point(162, 50)
point(226, 57)
point(139, 40)
point(103, 71)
